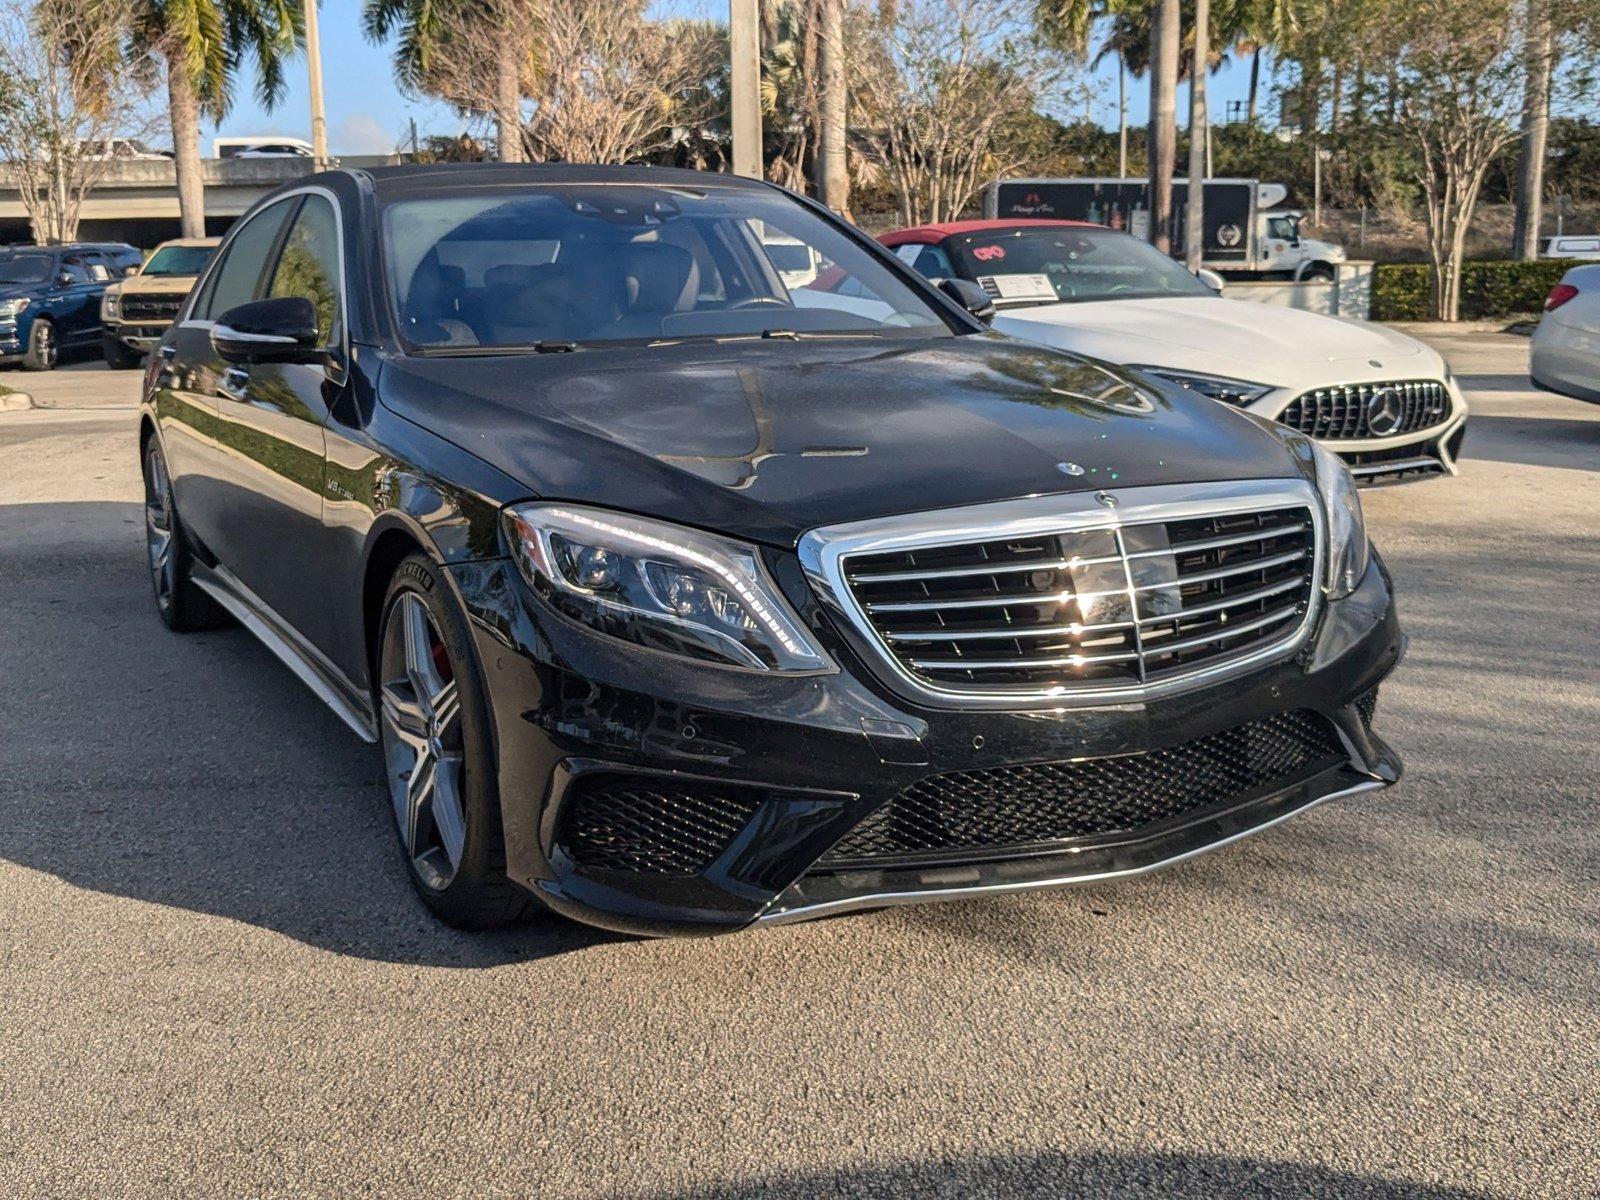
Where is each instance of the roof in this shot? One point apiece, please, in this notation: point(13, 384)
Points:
point(429, 176)
point(929, 234)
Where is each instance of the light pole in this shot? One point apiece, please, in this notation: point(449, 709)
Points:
point(744, 46)
point(319, 119)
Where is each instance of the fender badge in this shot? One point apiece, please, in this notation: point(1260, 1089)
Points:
point(1069, 468)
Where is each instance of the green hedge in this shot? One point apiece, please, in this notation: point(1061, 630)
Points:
point(1490, 289)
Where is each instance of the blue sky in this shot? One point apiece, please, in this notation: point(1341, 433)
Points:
point(367, 113)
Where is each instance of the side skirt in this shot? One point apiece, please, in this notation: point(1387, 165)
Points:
point(330, 684)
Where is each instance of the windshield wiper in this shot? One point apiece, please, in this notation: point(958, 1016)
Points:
point(770, 335)
point(545, 347)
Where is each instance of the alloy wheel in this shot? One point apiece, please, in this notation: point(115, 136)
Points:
point(46, 341)
point(158, 526)
point(422, 746)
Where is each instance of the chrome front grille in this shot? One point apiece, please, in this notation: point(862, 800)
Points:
point(1348, 412)
point(1093, 604)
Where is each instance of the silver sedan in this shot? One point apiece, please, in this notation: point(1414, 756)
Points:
point(1565, 355)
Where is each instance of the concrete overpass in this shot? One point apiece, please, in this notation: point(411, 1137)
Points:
point(137, 201)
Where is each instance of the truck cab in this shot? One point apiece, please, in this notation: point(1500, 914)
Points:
point(1283, 250)
point(50, 297)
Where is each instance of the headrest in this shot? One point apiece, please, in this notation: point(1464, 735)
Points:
point(661, 279)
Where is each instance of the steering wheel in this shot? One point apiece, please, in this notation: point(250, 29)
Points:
point(758, 302)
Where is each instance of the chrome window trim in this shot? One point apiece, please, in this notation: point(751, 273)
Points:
point(822, 553)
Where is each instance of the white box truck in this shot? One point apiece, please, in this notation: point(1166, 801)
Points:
point(1246, 237)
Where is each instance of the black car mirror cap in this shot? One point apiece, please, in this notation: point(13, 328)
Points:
point(280, 330)
point(970, 297)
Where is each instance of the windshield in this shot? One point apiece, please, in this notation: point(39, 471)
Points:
point(532, 267)
point(25, 268)
point(1045, 265)
point(179, 260)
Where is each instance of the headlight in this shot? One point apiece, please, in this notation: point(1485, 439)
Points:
point(10, 308)
point(1229, 391)
point(1347, 531)
point(110, 306)
point(660, 585)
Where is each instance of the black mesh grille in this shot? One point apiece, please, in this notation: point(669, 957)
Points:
point(1367, 707)
point(662, 826)
point(1346, 412)
point(151, 308)
point(1004, 808)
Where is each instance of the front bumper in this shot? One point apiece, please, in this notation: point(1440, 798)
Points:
point(792, 765)
point(142, 338)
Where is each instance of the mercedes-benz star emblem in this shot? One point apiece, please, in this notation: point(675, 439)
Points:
point(1384, 412)
point(1069, 468)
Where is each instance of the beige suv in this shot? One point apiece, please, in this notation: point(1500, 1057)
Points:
point(136, 311)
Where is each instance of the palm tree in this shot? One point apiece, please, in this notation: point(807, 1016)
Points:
point(1067, 24)
point(833, 180)
point(421, 29)
point(202, 44)
point(1199, 136)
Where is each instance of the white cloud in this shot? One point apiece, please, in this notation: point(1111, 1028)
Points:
point(361, 133)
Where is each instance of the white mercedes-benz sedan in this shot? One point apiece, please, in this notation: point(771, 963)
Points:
point(1382, 400)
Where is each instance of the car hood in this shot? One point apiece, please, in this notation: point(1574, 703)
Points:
point(1285, 347)
point(765, 441)
point(153, 285)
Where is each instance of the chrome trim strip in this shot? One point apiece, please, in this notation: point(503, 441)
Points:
point(822, 553)
point(324, 679)
point(886, 899)
point(1222, 635)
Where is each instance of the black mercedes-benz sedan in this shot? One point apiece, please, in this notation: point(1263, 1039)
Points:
point(681, 597)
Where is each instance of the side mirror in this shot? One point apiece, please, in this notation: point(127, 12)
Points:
point(970, 296)
point(1211, 279)
point(283, 330)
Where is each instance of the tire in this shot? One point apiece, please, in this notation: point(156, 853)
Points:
point(43, 350)
point(439, 762)
point(1321, 271)
point(118, 357)
point(182, 605)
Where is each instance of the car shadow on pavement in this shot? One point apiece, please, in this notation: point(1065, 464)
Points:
point(1536, 441)
point(194, 770)
point(1054, 1174)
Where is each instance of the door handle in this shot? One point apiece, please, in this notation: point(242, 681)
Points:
point(233, 382)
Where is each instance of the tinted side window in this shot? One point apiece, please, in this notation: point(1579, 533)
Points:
point(234, 281)
point(75, 266)
point(309, 264)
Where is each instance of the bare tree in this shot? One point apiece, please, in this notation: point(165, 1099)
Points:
point(63, 97)
point(1460, 76)
point(936, 82)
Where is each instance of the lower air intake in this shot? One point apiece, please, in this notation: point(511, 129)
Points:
point(968, 815)
point(659, 826)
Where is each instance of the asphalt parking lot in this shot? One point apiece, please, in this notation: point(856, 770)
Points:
point(216, 982)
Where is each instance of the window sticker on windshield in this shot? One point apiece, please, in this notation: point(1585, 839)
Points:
point(1019, 287)
point(988, 253)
